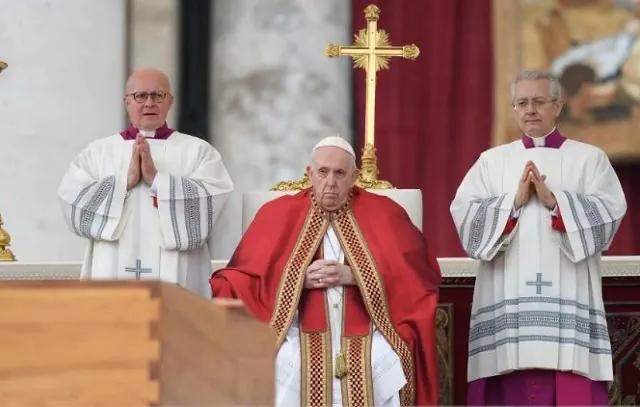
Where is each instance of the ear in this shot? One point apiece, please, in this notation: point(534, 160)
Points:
point(356, 175)
point(559, 106)
point(514, 113)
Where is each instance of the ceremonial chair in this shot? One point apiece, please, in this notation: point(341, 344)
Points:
point(409, 199)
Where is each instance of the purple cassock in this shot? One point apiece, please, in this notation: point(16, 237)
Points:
point(538, 387)
point(162, 133)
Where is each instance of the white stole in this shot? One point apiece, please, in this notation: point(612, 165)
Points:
point(335, 297)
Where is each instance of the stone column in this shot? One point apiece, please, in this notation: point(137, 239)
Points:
point(153, 42)
point(62, 90)
point(274, 93)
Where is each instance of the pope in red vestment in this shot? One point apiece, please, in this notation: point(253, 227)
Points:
point(390, 283)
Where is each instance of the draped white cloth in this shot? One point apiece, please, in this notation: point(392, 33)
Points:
point(388, 376)
point(128, 237)
point(538, 297)
point(606, 56)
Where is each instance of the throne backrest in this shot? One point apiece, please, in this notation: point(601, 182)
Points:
point(409, 199)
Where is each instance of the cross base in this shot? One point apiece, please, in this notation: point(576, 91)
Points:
point(369, 172)
point(6, 254)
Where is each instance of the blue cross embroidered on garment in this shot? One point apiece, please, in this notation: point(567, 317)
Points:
point(539, 283)
point(138, 269)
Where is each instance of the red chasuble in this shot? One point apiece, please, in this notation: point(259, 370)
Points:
point(397, 291)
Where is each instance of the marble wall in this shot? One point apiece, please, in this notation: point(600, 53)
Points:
point(274, 93)
point(153, 41)
point(63, 89)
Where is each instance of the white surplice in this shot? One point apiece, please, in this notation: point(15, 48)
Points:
point(537, 302)
point(129, 238)
point(388, 376)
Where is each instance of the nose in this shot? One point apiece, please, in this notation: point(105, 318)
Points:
point(331, 179)
point(149, 101)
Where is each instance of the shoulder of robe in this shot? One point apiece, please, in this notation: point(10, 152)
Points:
point(579, 150)
point(105, 142)
point(379, 204)
point(499, 151)
point(285, 204)
point(190, 141)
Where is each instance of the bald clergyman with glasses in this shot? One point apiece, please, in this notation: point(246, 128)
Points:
point(147, 198)
point(537, 213)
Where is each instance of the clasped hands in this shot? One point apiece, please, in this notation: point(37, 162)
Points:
point(141, 166)
point(328, 273)
point(532, 182)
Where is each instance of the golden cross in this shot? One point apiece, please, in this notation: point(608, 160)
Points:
point(3, 66)
point(371, 51)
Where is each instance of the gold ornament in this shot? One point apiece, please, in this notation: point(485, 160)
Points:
point(371, 51)
point(5, 242)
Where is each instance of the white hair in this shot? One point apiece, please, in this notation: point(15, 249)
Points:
point(534, 75)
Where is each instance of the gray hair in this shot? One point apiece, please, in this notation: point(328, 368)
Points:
point(533, 75)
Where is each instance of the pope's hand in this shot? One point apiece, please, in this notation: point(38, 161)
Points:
point(133, 176)
point(328, 273)
point(148, 168)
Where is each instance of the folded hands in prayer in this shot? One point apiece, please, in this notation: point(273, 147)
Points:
point(328, 273)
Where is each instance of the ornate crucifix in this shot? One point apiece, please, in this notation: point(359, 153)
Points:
point(371, 51)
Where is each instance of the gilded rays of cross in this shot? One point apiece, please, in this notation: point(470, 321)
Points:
point(371, 51)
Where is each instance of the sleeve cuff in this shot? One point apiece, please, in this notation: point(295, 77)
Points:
point(153, 191)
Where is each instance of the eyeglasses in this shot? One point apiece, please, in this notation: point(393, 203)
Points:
point(535, 103)
point(141, 97)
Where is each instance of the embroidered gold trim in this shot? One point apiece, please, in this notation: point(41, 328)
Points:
point(334, 214)
point(357, 386)
point(292, 280)
point(316, 369)
point(372, 290)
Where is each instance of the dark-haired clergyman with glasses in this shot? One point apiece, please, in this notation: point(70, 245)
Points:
point(147, 198)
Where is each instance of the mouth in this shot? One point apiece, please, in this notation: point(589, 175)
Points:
point(149, 114)
point(532, 121)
